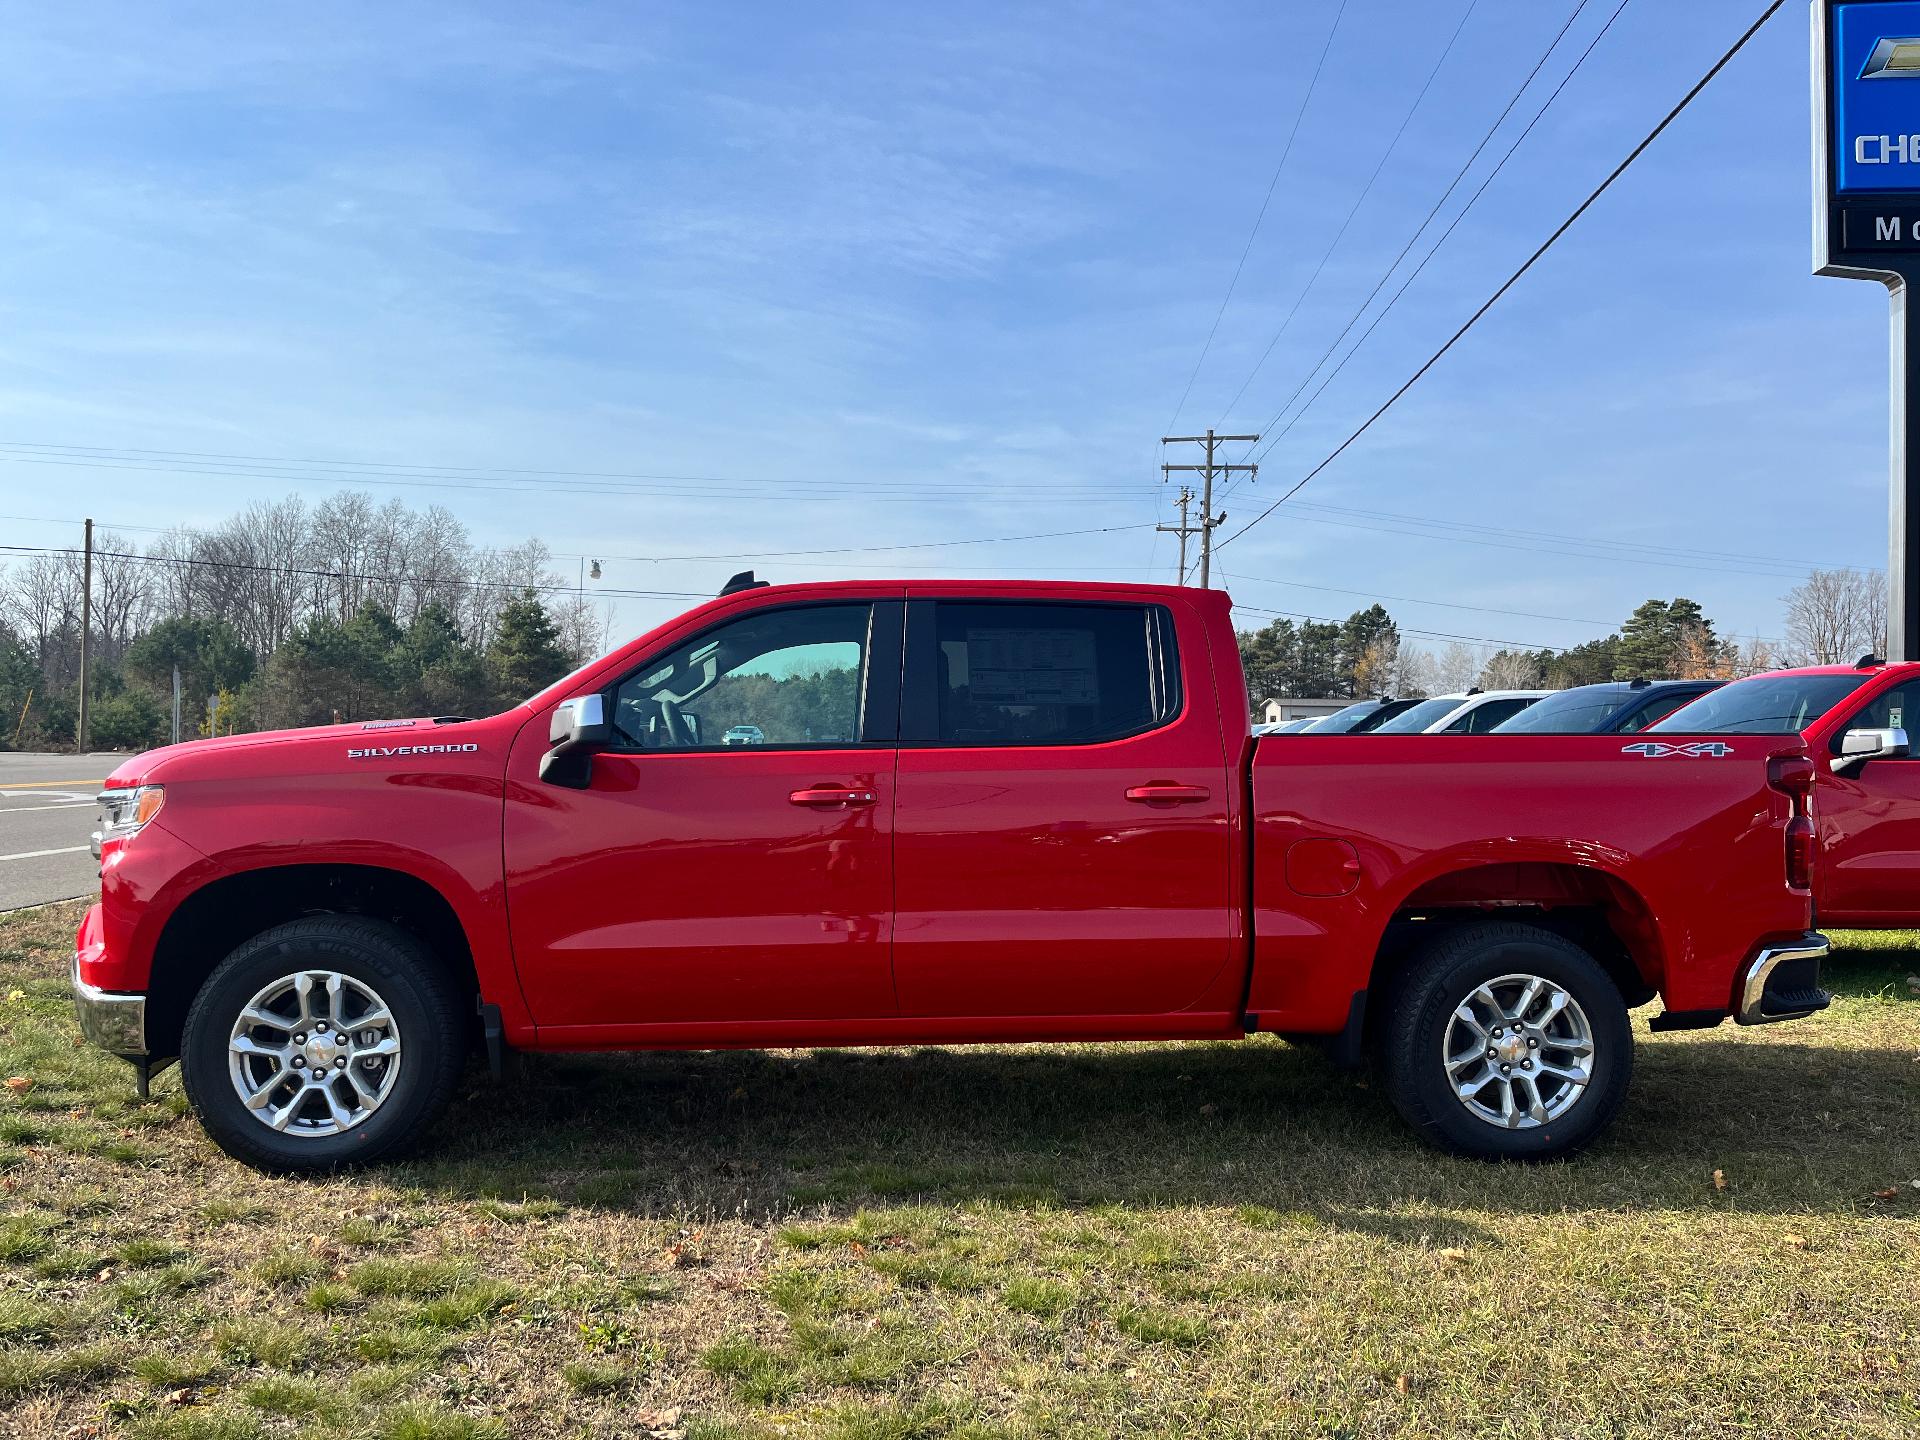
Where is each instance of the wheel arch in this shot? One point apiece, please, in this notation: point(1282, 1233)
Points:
point(1593, 908)
point(210, 923)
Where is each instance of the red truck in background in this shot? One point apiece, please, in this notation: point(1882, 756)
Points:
point(973, 811)
point(1856, 720)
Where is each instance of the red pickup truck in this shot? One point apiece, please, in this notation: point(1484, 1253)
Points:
point(1857, 720)
point(928, 813)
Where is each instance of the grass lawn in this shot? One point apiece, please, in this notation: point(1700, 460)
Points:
point(1183, 1240)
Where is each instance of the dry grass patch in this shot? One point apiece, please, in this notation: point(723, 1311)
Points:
point(1020, 1242)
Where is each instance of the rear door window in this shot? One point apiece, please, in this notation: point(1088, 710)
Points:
point(1041, 673)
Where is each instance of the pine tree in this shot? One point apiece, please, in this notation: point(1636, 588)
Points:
point(526, 655)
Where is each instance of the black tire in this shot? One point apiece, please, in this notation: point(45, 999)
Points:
point(427, 1008)
point(1441, 978)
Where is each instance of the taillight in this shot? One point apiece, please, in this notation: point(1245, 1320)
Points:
point(1800, 852)
point(1792, 774)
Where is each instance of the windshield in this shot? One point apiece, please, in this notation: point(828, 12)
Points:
point(1764, 705)
point(1571, 712)
point(1341, 721)
point(1416, 718)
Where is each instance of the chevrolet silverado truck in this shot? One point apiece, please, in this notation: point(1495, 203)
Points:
point(977, 812)
point(1857, 721)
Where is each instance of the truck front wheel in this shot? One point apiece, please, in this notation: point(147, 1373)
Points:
point(328, 1041)
point(1507, 1041)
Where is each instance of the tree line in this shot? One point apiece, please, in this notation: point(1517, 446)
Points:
point(1832, 618)
point(288, 614)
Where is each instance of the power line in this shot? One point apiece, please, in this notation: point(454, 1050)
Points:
point(1689, 554)
point(870, 549)
point(805, 490)
point(716, 555)
point(1392, 145)
point(1694, 567)
point(1443, 604)
point(1439, 204)
point(505, 587)
point(1525, 266)
point(1433, 250)
point(1415, 600)
point(1403, 629)
point(440, 471)
point(1267, 199)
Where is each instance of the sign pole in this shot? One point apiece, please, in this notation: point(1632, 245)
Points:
point(1903, 491)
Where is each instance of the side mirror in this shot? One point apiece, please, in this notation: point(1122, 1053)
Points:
point(578, 728)
point(1859, 746)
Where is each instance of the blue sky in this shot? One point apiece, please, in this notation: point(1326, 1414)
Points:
point(899, 274)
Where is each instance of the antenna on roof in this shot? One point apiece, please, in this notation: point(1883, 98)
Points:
point(743, 581)
point(1639, 682)
point(1868, 661)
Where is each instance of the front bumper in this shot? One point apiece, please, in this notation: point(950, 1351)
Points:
point(1782, 982)
point(113, 1020)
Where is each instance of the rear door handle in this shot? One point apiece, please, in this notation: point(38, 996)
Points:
point(828, 796)
point(1164, 793)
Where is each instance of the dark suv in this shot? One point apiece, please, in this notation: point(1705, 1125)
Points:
point(1614, 707)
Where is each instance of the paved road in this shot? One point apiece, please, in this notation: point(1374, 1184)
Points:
point(46, 815)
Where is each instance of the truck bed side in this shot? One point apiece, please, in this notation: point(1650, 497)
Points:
point(1677, 851)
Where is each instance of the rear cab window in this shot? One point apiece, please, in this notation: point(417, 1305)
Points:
point(1007, 673)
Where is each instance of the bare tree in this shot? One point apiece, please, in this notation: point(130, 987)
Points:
point(501, 575)
point(1753, 657)
point(123, 593)
point(1414, 671)
point(1835, 616)
point(1455, 668)
point(43, 608)
point(1374, 669)
point(1510, 670)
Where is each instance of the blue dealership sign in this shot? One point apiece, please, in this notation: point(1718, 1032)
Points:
point(1866, 152)
point(1875, 64)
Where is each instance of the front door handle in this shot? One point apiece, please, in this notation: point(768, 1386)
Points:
point(828, 796)
point(1161, 792)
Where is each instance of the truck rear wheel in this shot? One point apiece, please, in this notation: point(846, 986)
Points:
point(324, 1042)
point(1507, 1041)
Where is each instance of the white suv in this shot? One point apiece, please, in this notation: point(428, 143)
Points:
point(1474, 713)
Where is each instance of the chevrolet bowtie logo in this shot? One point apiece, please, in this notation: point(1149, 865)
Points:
point(1893, 60)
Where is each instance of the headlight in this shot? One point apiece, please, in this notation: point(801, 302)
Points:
point(124, 812)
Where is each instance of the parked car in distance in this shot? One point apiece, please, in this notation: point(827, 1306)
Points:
point(1048, 821)
point(1361, 716)
point(1859, 722)
point(1612, 707)
point(1473, 713)
point(744, 735)
point(1286, 727)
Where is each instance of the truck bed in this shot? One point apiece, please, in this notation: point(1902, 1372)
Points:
point(1352, 833)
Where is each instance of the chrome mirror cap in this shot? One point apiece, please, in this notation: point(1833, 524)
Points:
point(1859, 746)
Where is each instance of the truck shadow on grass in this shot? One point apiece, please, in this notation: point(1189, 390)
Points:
point(1791, 1125)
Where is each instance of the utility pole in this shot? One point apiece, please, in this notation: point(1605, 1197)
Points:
point(86, 629)
point(1208, 471)
point(1183, 529)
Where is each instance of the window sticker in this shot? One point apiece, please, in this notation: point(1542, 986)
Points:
point(1032, 667)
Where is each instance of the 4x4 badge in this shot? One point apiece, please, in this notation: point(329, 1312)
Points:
point(1693, 749)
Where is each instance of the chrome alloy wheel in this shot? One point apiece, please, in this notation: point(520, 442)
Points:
point(1518, 1052)
point(314, 1053)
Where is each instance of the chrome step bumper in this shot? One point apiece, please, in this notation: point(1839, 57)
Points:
point(1782, 982)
